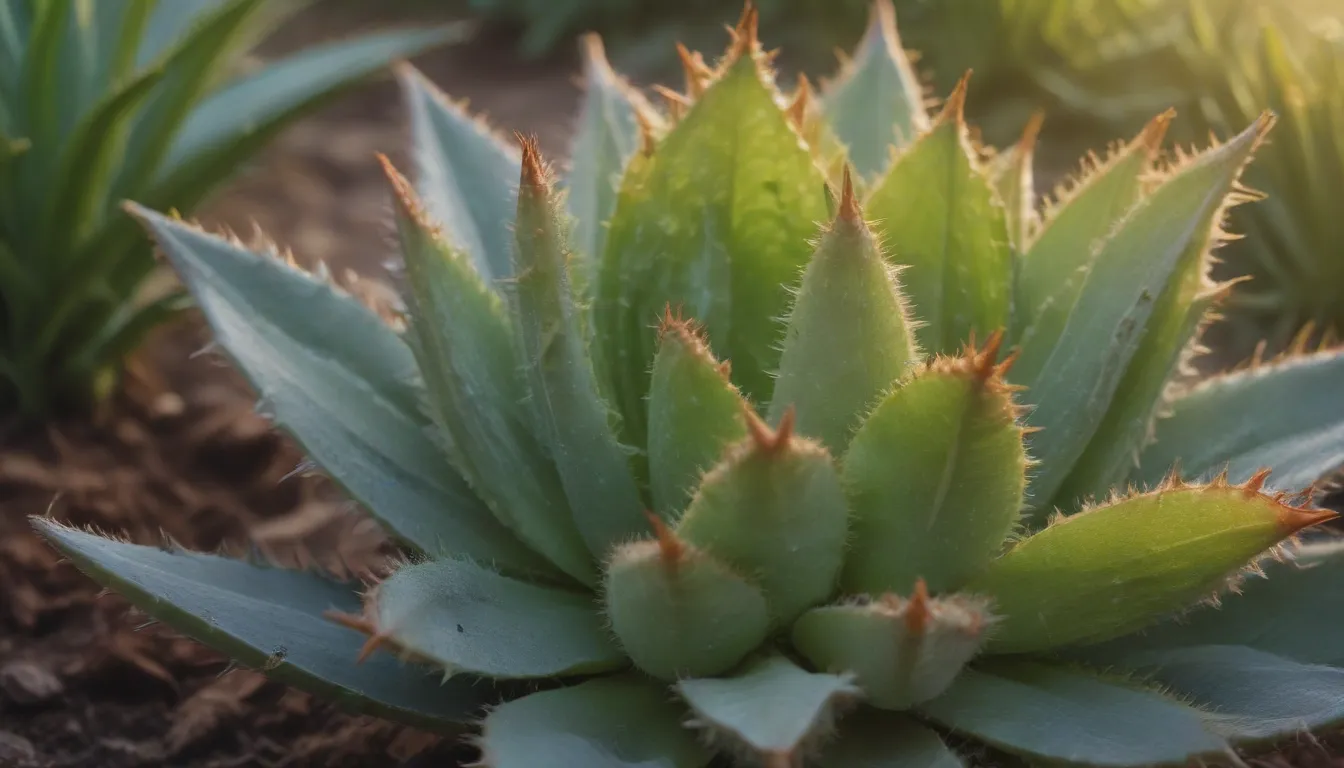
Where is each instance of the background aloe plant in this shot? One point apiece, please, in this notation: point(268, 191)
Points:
point(600, 509)
point(115, 99)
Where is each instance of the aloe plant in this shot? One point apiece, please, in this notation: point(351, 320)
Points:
point(779, 465)
point(141, 99)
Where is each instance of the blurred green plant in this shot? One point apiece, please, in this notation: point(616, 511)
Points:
point(813, 519)
point(104, 100)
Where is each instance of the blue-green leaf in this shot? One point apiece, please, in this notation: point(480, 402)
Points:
point(610, 722)
point(876, 103)
point(467, 619)
point(466, 176)
point(1286, 415)
point(772, 708)
point(270, 620)
point(871, 738)
point(341, 382)
point(1159, 237)
point(1247, 695)
point(1053, 713)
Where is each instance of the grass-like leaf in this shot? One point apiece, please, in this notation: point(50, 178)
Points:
point(341, 382)
point(467, 619)
point(610, 722)
point(271, 620)
point(772, 710)
point(1055, 714)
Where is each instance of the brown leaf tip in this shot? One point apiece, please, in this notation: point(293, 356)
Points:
point(1156, 130)
point(918, 609)
point(768, 440)
point(802, 101)
point(746, 35)
point(671, 550)
point(954, 109)
point(696, 71)
point(984, 362)
point(1032, 132)
point(848, 210)
point(534, 175)
point(406, 198)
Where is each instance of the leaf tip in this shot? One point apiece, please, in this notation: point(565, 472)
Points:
point(533, 168)
point(671, 550)
point(746, 35)
point(918, 613)
point(1156, 130)
point(848, 210)
point(954, 109)
point(765, 439)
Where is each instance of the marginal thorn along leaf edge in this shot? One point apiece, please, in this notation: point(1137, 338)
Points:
point(692, 336)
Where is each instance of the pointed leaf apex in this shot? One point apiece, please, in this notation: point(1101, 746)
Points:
point(765, 439)
point(671, 549)
point(746, 35)
point(534, 177)
point(954, 109)
point(1156, 130)
point(595, 55)
point(1294, 519)
point(406, 198)
point(1032, 132)
point(848, 210)
point(917, 609)
point(984, 361)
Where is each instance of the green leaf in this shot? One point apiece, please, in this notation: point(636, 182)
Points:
point(1247, 695)
point(465, 348)
point(717, 223)
point(190, 68)
point(1015, 181)
point(872, 739)
point(1286, 415)
point(607, 135)
point(1052, 713)
point(1293, 611)
point(234, 122)
point(465, 175)
point(270, 620)
point(952, 430)
point(774, 508)
point(939, 217)
point(849, 337)
point(772, 709)
point(611, 722)
point(876, 103)
point(569, 414)
point(695, 412)
point(339, 380)
point(467, 619)
point(1155, 243)
point(1113, 569)
point(1057, 260)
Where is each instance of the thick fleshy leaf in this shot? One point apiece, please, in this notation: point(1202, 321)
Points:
point(606, 137)
point(695, 412)
point(271, 620)
point(900, 651)
point(341, 382)
point(233, 122)
point(611, 722)
point(1053, 713)
point(872, 739)
point(934, 478)
point(774, 508)
point(569, 415)
point(1293, 611)
point(1286, 415)
point(1153, 246)
point(1246, 694)
point(849, 336)
point(772, 709)
point(939, 217)
point(717, 224)
point(1015, 180)
point(466, 619)
point(1058, 258)
point(465, 348)
point(466, 176)
point(1113, 569)
point(876, 102)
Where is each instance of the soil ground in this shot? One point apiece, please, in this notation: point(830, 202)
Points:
point(181, 455)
